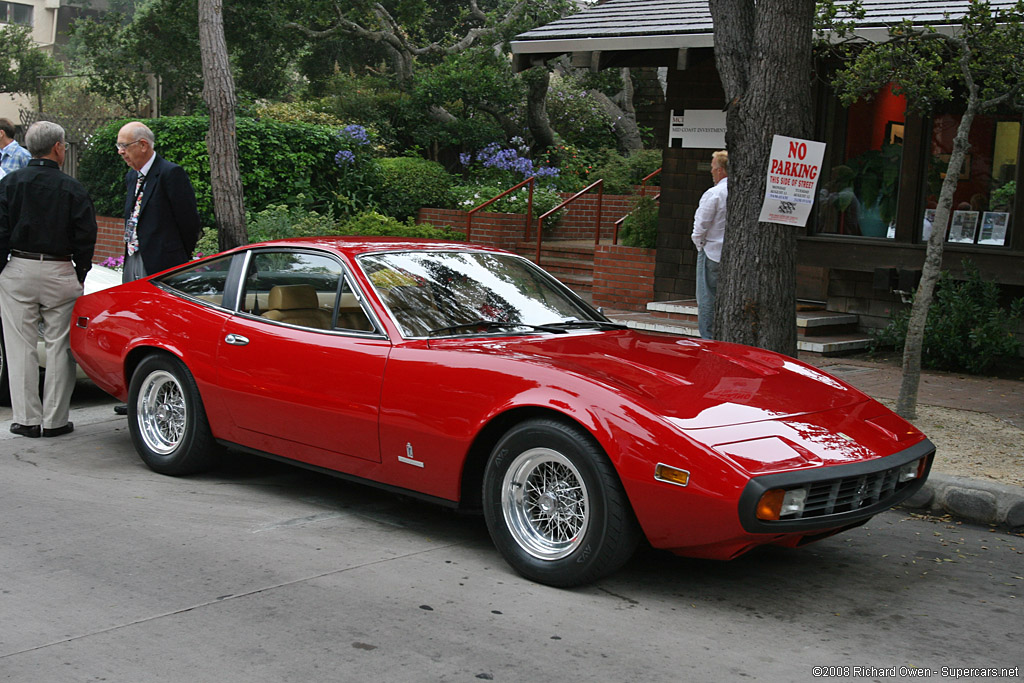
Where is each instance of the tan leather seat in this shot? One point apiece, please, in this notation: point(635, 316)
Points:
point(297, 305)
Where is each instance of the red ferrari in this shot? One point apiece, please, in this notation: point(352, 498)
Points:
point(470, 377)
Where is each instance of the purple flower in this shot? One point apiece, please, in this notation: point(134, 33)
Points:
point(357, 133)
point(546, 172)
point(344, 157)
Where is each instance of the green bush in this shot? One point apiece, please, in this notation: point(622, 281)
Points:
point(410, 183)
point(373, 224)
point(283, 222)
point(621, 174)
point(307, 111)
point(276, 221)
point(579, 119)
point(966, 329)
point(640, 228)
point(575, 166)
point(281, 163)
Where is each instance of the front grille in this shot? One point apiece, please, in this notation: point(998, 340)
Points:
point(848, 494)
point(838, 495)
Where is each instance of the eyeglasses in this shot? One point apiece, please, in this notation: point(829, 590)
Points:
point(121, 146)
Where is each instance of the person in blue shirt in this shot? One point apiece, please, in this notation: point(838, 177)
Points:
point(12, 155)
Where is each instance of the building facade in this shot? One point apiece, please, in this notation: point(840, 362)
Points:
point(864, 244)
point(49, 21)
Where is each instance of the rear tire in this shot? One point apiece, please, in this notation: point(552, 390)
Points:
point(554, 505)
point(167, 420)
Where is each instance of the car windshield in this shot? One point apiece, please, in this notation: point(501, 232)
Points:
point(442, 294)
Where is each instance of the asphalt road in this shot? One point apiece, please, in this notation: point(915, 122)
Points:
point(264, 572)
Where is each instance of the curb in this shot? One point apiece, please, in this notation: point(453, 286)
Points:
point(971, 500)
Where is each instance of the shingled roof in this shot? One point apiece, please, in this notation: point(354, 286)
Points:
point(653, 24)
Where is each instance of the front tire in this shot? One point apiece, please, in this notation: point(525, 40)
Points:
point(167, 419)
point(554, 505)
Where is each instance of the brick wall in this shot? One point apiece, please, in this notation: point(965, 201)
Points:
point(623, 277)
point(109, 238)
point(504, 230)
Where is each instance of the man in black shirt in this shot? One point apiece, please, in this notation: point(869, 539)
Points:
point(48, 231)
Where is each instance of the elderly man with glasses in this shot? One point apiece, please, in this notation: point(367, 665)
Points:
point(161, 220)
point(161, 225)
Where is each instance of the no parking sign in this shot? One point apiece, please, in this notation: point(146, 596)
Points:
point(793, 171)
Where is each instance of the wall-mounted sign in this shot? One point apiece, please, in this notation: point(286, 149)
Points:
point(697, 128)
point(793, 171)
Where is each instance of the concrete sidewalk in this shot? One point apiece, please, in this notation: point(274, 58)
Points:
point(970, 499)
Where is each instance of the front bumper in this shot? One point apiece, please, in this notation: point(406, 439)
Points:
point(839, 495)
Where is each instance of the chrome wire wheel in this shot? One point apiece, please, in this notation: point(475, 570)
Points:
point(161, 412)
point(545, 504)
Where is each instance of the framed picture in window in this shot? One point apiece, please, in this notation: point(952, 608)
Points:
point(963, 227)
point(894, 132)
point(993, 227)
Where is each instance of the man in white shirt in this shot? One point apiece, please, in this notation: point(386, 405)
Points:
point(708, 236)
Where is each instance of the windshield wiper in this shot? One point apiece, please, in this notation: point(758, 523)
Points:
point(489, 325)
point(577, 324)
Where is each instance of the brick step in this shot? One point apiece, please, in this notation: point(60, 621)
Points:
point(557, 249)
point(582, 284)
point(559, 266)
point(811, 318)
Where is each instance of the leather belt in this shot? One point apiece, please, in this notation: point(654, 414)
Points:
point(17, 253)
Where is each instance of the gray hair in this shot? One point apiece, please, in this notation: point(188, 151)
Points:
point(42, 136)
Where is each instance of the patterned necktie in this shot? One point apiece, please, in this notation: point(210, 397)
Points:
point(131, 237)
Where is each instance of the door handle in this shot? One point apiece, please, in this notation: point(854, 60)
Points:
point(236, 340)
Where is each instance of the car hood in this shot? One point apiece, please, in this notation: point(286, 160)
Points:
point(696, 384)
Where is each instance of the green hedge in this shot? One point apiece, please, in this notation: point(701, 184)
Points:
point(966, 329)
point(282, 222)
point(410, 183)
point(281, 163)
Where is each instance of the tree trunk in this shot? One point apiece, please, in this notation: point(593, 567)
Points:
point(537, 80)
point(221, 140)
point(763, 55)
point(623, 118)
point(906, 403)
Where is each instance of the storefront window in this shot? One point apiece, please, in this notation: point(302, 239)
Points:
point(982, 211)
point(859, 196)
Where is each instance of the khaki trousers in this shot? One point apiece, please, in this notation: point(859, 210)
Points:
point(32, 292)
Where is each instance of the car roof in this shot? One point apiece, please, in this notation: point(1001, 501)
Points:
point(360, 245)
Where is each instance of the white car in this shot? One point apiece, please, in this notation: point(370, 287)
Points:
point(99, 277)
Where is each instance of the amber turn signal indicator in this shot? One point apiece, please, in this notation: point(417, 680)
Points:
point(671, 475)
point(770, 505)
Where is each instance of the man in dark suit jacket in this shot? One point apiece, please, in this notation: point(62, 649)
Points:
point(161, 225)
point(161, 220)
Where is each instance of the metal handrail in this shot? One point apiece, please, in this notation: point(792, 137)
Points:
point(532, 180)
point(597, 224)
point(643, 183)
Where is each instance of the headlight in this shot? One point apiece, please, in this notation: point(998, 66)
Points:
point(912, 470)
point(778, 503)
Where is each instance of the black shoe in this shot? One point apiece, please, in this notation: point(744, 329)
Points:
point(121, 409)
point(59, 431)
point(31, 431)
